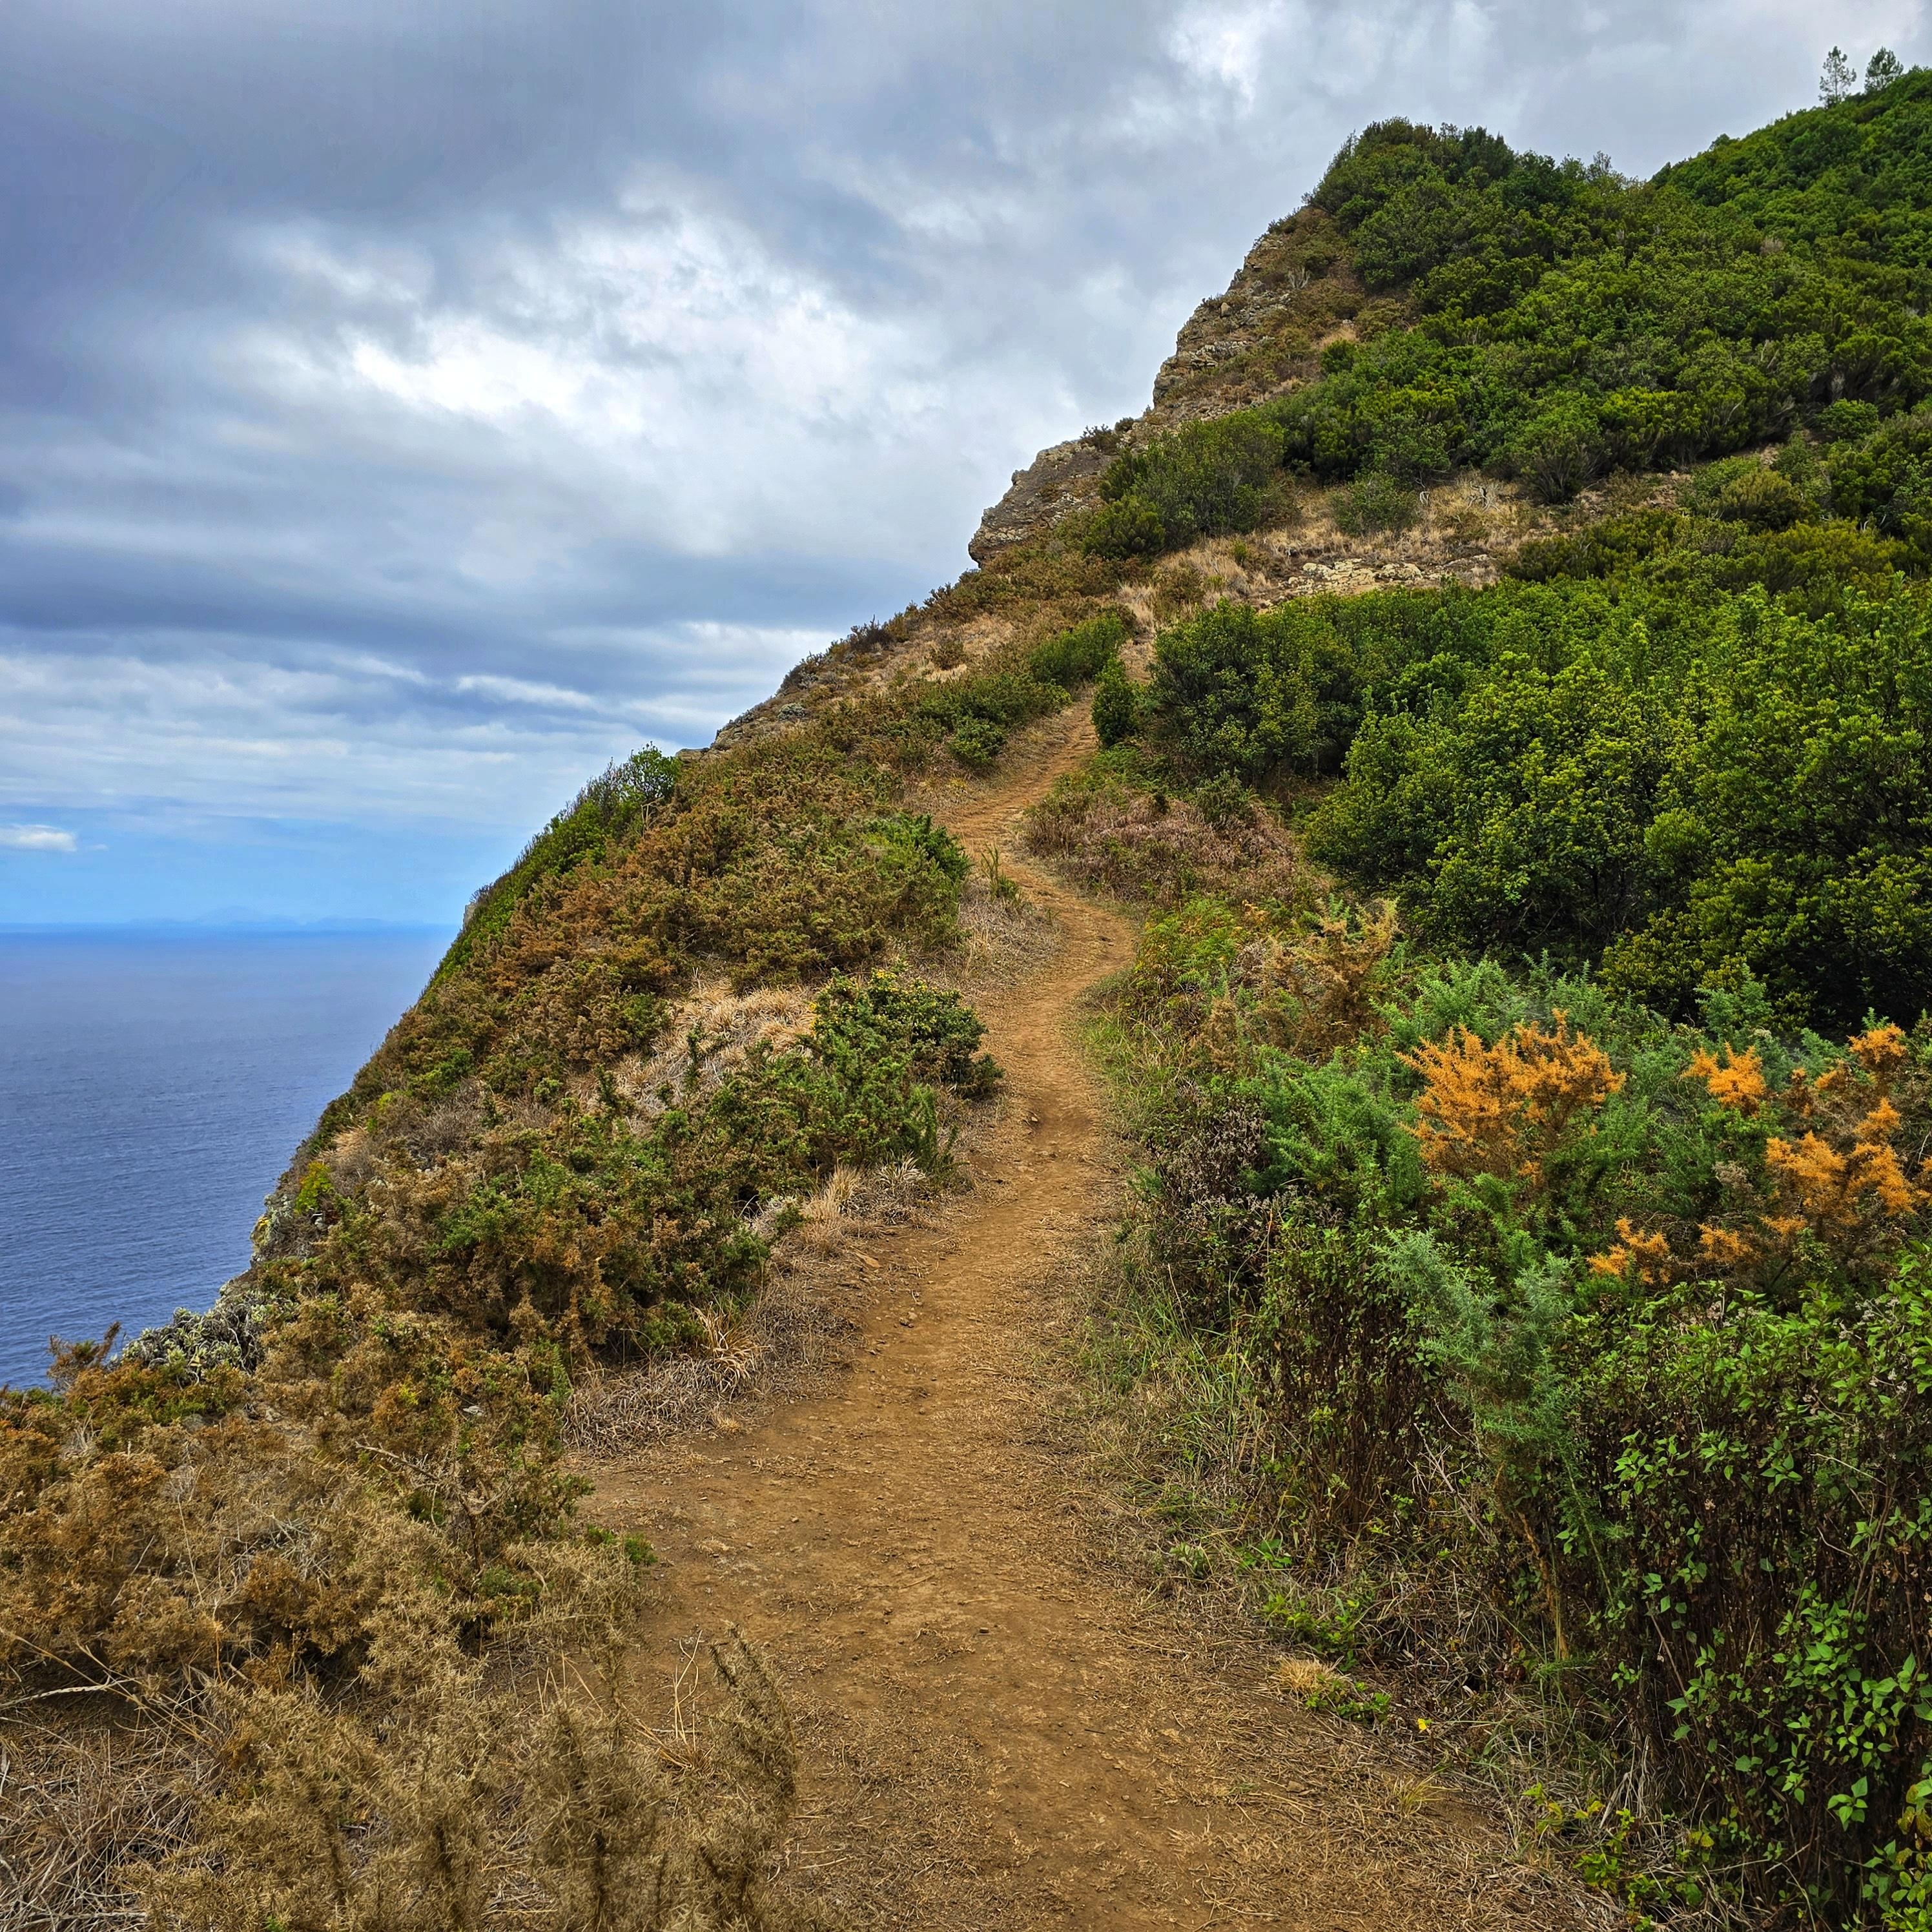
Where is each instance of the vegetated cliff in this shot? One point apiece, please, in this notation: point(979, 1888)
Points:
point(1295, 293)
point(1551, 550)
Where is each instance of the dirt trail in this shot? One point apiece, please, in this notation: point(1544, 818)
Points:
point(996, 1730)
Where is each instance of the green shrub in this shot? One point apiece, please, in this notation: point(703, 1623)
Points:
point(1763, 498)
point(1116, 705)
point(1072, 657)
point(1209, 478)
point(977, 742)
point(1847, 421)
point(1374, 503)
point(1131, 527)
point(1263, 694)
point(1573, 1341)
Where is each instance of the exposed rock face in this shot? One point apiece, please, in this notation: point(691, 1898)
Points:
point(1261, 335)
point(1057, 480)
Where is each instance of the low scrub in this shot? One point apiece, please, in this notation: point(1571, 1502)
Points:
point(1565, 1347)
point(1114, 827)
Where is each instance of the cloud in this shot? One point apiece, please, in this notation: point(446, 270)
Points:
point(401, 414)
point(36, 838)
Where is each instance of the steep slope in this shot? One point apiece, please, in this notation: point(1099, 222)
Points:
point(998, 1729)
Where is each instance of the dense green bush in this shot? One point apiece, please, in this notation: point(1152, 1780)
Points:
point(1761, 807)
point(1205, 479)
point(1077, 656)
point(1627, 761)
point(1117, 707)
point(1264, 695)
point(977, 743)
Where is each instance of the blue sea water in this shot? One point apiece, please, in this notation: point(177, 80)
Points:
point(153, 1086)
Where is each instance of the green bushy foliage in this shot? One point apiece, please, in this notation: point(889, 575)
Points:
point(1077, 656)
point(1374, 503)
point(1747, 795)
point(1204, 479)
point(1116, 707)
point(977, 743)
point(1260, 694)
point(1620, 1322)
point(1636, 757)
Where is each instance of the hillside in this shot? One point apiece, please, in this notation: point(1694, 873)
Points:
point(1458, 1442)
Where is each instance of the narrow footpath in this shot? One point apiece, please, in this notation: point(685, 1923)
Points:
point(997, 1729)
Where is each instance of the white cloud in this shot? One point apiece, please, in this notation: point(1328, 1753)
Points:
point(36, 838)
point(406, 462)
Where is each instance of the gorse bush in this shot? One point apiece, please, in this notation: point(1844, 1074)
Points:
point(1621, 1321)
point(611, 807)
point(608, 1223)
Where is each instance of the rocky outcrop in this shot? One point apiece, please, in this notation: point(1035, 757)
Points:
point(1262, 335)
point(1056, 480)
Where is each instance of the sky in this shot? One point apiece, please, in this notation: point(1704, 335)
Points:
point(408, 406)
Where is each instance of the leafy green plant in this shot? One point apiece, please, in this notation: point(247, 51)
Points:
point(976, 743)
point(1611, 1325)
point(1116, 705)
point(1207, 478)
point(1374, 503)
point(1077, 656)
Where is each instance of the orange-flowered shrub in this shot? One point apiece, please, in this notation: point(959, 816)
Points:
point(1831, 1172)
point(1504, 1110)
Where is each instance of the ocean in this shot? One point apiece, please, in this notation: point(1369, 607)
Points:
point(153, 1086)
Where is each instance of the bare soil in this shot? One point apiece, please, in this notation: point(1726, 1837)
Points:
point(1000, 1725)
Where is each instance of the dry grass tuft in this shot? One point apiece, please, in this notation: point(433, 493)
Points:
point(1005, 936)
point(709, 1036)
point(1158, 850)
point(77, 1803)
point(1307, 1676)
point(532, 1789)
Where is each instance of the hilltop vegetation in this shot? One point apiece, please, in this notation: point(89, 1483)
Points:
point(1528, 1278)
point(1554, 322)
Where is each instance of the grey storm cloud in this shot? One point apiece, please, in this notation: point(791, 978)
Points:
point(408, 406)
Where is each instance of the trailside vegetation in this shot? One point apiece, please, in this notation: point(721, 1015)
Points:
point(1551, 1346)
point(1528, 1277)
point(303, 1548)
